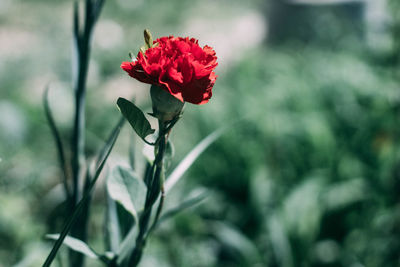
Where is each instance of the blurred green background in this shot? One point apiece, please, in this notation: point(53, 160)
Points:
point(309, 176)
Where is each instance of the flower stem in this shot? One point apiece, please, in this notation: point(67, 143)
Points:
point(155, 186)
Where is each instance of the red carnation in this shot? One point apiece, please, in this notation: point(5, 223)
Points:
point(179, 66)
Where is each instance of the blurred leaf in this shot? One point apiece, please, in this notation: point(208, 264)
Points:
point(186, 204)
point(57, 139)
point(280, 242)
point(76, 245)
point(190, 158)
point(135, 117)
point(302, 208)
point(343, 194)
point(232, 238)
point(127, 189)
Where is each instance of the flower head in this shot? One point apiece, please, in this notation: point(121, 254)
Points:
point(177, 65)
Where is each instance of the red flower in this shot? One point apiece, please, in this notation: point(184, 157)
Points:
point(179, 66)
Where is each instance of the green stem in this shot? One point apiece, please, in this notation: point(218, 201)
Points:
point(159, 209)
point(155, 186)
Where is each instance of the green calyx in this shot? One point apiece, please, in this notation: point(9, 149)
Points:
point(165, 106)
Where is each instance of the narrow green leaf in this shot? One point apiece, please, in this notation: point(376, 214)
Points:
point(112, 231)
point(76, 245)
point(71, 220)
point(186, 204)
point(279, 241)
point(135, 117)
point(190, 158)
point(127, 189)
point(103, 150)
point(77, 35)
point(57, 139)
point(232, 238)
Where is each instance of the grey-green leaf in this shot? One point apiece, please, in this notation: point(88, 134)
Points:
point(77, 245)
point(190, 158)
point(233, 238)
point(185, 204)
point(127, 189)
point(135, 117)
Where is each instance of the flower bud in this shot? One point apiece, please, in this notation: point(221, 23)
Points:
point(148, 39)
point(165, 106)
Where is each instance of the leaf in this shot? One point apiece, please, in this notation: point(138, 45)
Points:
point(71, 220)
point(127, 189)
point(135, 117)
point(232, 238)
point(186, 204)
point(57, 139)
point(112, 229)
point(77, 245)
point(190, 158)
point(103, 150)
point(279, 241)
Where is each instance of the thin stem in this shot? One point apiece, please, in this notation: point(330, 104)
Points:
point(155, 186)
point(159, 209)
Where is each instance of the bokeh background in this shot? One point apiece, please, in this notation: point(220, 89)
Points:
point(309, 176)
